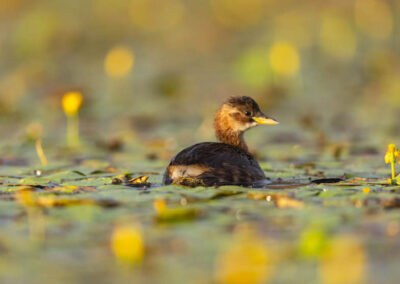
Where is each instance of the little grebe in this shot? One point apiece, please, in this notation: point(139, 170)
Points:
point(228, 162)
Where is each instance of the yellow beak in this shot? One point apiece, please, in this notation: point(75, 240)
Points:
point(265, 120)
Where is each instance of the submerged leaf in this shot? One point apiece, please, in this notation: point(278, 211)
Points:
point(225, 193)
point(177, 214)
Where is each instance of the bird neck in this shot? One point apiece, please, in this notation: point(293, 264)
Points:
point(226, 134)
point(232, 138)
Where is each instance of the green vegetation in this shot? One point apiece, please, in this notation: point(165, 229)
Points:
point(72, 220)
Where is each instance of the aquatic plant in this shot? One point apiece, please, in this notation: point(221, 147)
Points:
point(392, 155)
point(71, 103)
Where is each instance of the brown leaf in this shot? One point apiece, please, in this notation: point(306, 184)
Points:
point(286, 201)
point(281, 200)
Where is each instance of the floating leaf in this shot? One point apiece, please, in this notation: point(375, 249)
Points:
point(140, 179)
point(225, 193)
point(286, 201)
point(26, 197)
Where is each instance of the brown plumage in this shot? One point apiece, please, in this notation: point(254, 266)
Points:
point(227, 162)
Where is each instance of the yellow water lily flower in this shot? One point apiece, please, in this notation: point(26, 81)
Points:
point(392, 155)
point(71, 102)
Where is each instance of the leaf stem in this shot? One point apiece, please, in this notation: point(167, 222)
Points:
point(392, 162)
point(73, 130)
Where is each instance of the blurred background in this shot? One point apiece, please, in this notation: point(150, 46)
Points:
point(152, 73)
point(150, 69)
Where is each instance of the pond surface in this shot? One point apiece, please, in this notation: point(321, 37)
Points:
point(319, 214)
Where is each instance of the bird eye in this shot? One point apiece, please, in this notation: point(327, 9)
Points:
point(247, 113)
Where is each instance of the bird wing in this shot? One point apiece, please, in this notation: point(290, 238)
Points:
point(215, 155)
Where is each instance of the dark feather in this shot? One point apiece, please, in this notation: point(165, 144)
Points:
point(228, 164)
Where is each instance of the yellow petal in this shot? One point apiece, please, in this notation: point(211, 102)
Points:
point(387, 158)
point(391, 148)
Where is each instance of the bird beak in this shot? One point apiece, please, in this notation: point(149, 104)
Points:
point(265, 120)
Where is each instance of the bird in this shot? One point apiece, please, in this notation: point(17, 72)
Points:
point(227, 162)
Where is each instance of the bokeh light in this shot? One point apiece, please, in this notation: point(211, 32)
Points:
point(344, 261)
point(245, 261)
point(43, 27)
point(284, 58)
point(167, 15)
point(296, 27)
point(312, 242)
point(127, 243)
point(238, 13)
point(374, 18)
point(119, 61)
point(252, 69)
point(337, 37)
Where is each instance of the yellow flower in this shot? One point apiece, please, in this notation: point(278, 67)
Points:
point(127, 243)
point(391, 154)
point(71, 102)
